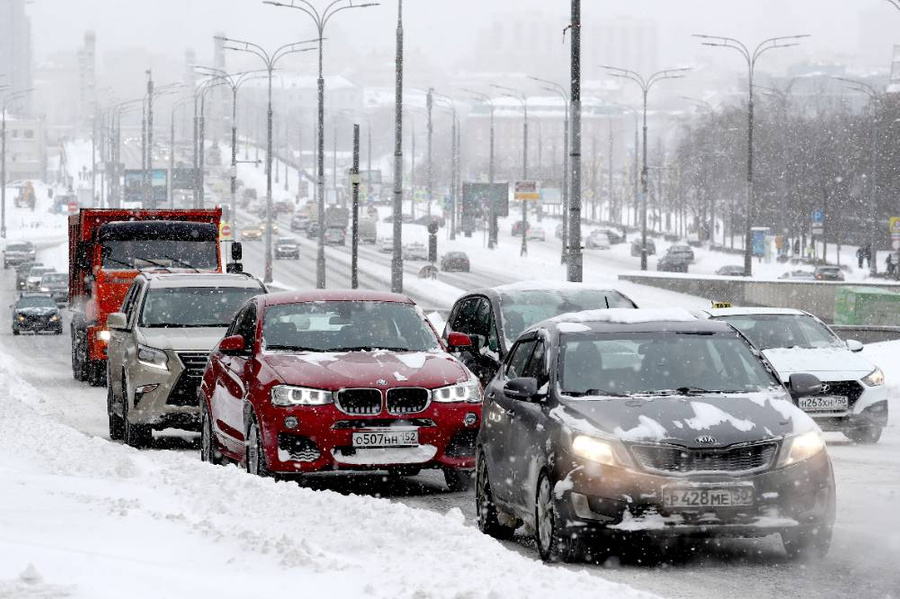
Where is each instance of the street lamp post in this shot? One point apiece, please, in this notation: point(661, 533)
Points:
point(646, 84)
point(875, 98)
point(270, 60)
point(454, 161)
point(511, 93)
point(320, 19)
point(492, 224)
point(6, 101)
point(751, 57)
point(575, 266)
point(560, 90)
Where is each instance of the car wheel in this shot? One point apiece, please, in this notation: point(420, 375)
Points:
point(807, 543)
point(485, 510)
point(458, 480)
point(255, 457)
point(116, 424)
point(864, 435)
point(134, 435)
point(553, 542)
point(15, 331)
point(208, 450)
point(96, 373)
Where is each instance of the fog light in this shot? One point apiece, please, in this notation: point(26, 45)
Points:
point(291, 422)
point(143, 389)
point(470, 419)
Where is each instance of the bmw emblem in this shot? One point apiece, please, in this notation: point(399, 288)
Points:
point(381, 382)
point(706, 440)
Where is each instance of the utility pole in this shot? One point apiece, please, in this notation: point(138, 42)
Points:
point(149, 200)
point(397, 260)
point(430, 181)
point(412, 172)
point(354, 239)
point(492, 224)
point(575, 254)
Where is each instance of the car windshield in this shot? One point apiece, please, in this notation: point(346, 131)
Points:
point(39, 271)
point(337, 326)
point(147, 253)
point(659, 363)
point(181, 307)
point(767, 331)
point(18, 247)
point(56, 278)
point(521, 309)
point(35, 301)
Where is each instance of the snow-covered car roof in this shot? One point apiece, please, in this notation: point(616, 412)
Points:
point(194, 279)
point(550, 286)
point(717, 312)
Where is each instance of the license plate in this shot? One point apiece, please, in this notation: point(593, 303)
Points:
point(825, 403)
point(708, 497)
point(388, 438)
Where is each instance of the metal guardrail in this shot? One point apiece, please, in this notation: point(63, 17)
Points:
point(867, 334)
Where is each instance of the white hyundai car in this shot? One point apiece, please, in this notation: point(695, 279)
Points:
point(854, 398)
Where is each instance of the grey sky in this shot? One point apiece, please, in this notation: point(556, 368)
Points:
point(438, 27)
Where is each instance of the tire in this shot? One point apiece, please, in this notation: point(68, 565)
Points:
point(864, 435)
point(254, 456)
point(485, 510)
point(116, 424)
point(807, 543)
point(16, 332)
point(208, 451)
point(554, 543)
point(79, 360)
point(458, 481)
point(96, 373)
point(134, 435)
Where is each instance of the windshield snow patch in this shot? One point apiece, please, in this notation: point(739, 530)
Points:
point(648, 430)
point(707, 416)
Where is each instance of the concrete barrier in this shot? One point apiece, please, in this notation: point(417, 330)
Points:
point(817, 297)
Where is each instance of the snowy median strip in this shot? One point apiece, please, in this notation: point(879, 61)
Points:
point(84, 517)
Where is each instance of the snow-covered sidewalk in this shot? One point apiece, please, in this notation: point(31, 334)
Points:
point(83, 517)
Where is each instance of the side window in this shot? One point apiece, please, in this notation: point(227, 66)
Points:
point(247, 327)
point(518, 358)
point(485, 324)
point(235, 323)
point(464, 321)
point(537, 367)
point(129, 305)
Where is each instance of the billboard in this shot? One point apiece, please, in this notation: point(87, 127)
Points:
point(133, 192)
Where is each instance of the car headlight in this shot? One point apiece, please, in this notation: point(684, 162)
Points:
point(45, 289)
point(802, 447)
point(468, 392)
point(104, 335)
point(54, 318)
point(285, 396)
point(21, 318)
point(154, 358)
point(874, 378)
point(595, 450)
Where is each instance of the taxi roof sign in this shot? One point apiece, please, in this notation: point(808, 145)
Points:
point(721, 305)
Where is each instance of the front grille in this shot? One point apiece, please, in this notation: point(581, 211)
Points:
point(462, 444)
point(364, 423)
point(299, 448)
point(407, 400)
point(184, 393)
point(849, 389)
point(194, 363)
point(680, 460)
point(359, 402)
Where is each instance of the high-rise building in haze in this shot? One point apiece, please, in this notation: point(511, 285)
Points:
point(87, 79)
point(15, 48)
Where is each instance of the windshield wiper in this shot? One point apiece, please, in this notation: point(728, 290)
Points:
point(594, 392)
point(117, 261)
point(182, 263)
point(370, 348)
point(292, 348)
point(696, 391)
point(153, 262)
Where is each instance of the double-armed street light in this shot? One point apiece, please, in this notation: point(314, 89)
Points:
point(321, 17)
point(9, 98)
point(455, 189)
point(270, 61)
point(519, 97)
point(646, 84)
point(492, 224)
point(751, 56)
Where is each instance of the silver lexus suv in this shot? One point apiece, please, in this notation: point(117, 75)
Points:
point(159, 345)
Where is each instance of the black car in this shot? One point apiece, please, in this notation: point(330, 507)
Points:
point(636, 247)
point(828, 273)
point(494, 317)
point(731, 271)
point(287, 247)
point(673, 262)
point(455, 261)
point(17, 252)
point(36, 312)
point(312, 230)
point(606, 426)
point(685, 251)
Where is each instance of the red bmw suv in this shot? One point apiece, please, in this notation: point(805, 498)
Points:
point(339, 380)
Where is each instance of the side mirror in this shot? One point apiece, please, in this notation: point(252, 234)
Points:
point(458, 341)
point(237, 251)
point(117, 321)
point(234, 268)
point(232, 345)
point(854, 345)
point(804, 385)
point(523, 388)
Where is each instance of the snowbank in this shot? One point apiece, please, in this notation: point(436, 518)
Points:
point(83, 517)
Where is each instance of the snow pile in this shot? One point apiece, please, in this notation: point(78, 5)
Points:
point(83, 517)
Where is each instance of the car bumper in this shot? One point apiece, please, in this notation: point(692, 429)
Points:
point(870, 408)
point(603, 498)
point(322, 440)
point(165, 399)
point(287, 253)
point(37, 325)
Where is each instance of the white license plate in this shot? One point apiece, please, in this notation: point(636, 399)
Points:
point(707, 497)
point(825, 403)
point(386, 438)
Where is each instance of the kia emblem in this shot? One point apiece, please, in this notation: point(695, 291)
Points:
point(706, 440)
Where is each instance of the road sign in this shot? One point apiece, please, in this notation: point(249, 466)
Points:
point(225, 231)
point(528, 191)
point(73, 207)
point(818, 230)
point(895, 225)
point(588, 193)
point(818, 216)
